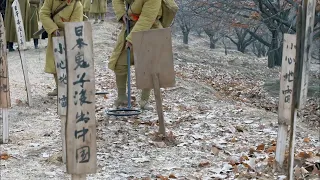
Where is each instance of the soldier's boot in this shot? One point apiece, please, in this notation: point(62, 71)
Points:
point(122, 99)
point(102, 18)
point(36, 43)
point(144, 101)
point(10, 46)
point(96, 18)
point(55, 91)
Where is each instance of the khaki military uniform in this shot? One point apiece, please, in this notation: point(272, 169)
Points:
point(97, 8)
point(34, 16)
point(9, 22)
point(144, 15)
point(86, 6)
point(68, 14)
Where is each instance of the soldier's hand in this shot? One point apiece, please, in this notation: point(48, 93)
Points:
point(128, 45)
point(57, 32)
point(124, 19)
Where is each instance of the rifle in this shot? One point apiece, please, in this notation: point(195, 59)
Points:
point(42, 30)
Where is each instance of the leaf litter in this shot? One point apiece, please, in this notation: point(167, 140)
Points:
point(220, 122)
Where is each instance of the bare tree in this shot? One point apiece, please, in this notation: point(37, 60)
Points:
point(186, 19)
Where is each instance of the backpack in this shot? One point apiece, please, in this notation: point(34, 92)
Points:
point(169, 11)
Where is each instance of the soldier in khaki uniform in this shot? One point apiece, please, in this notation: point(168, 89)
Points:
point(86, 7)
point(97, 8)
point(9, 23)
point(144, 15)
point(73, 12)
point(34, 8)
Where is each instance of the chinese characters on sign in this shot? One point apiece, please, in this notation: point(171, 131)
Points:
point(81, 99)
point(19, 24)
point(4, 79)
point(287, 78)
point(60, 62)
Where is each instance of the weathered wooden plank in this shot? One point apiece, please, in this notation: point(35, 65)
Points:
point(81, 124)
point(281, 145)
point(308, 18)
point(19, 25)
point(61, 68)
point(5, 125)
point(22, 45)
point(63, 120)
point(157, 94)
point(78, 177)
point(5, 101)
point(292, 144)
point(286, 79)
point(153, 54)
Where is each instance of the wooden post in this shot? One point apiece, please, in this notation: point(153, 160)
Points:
point(154, 64)
point(61, 65)
point(286, 98)
point(157, 94)
point(78, 177)
point(304, 39)
point(308, 17)
point(81, 123)
point(5, 101)
point(22, 45)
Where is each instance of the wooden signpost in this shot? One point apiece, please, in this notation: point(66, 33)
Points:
point(286, 97)
point(81, 123)
point(5, 101)
point(22, 45)
point(154, 64)
point(305, 40)
point(61, 69)
point(294, 89)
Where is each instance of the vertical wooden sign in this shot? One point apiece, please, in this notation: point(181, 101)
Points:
point(308, 17)
point(61, 69)
point(286, 79)
point(286, 94)
point(5, 101)
point(81, 123)
point(154, 64)
point(22, 45)
point(19, 25)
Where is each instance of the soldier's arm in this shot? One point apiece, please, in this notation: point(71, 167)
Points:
point(147, 17)
point(119, 9)
point(45, 17)
point(77, 14)
point(34, 1)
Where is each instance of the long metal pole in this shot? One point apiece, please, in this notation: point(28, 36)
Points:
point(128, 56)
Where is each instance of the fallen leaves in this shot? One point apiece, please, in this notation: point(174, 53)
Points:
point(306, 140)
point(4, 156)
point(204, 164)
point(271, 149)
point(171, 176)
point(260, 147)
point(215, 151)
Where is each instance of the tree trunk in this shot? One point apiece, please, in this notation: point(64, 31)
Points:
point(273, 50)
point(241, 48)
point(278, 55)
point(212, 43)
point(225, 47)
point(185, 37)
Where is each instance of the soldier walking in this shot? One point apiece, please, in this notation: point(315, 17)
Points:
point(98, 8)
point(34, 19)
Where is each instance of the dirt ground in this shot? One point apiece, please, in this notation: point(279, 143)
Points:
point(211, 134)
